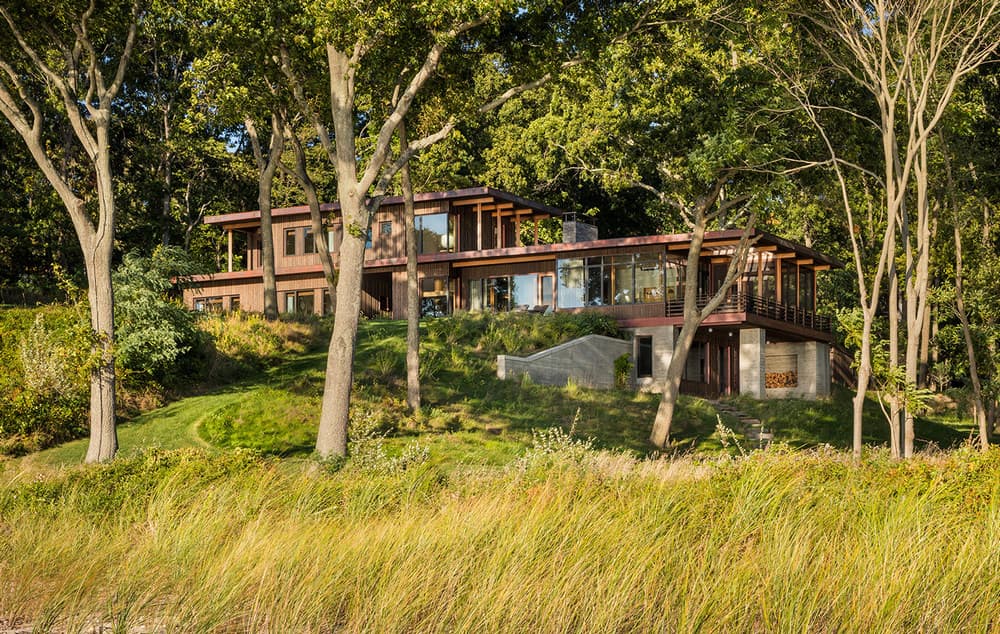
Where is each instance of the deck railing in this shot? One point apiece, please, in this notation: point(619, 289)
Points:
point(752, 304)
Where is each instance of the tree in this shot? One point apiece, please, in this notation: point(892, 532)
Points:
point(238, 80)
point(909, 57)
point(370, 52)
point(84, 74)
point(678, 111)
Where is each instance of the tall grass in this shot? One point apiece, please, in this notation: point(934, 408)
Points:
point(772, 542)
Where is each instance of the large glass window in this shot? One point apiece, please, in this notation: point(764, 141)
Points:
point(572, 291)
point(789, 283)
point(435, 233)
point(598, 282)
point(649, 279)
point(673, 283)
point(524, 291)
point(515, 292)
point(435, 297)
point(477, 295)
point(546, 296)
point(499, 294)
point(290, 241)
point(610, 280)
point(623, 281)
point(806, 299)
point(769, 281)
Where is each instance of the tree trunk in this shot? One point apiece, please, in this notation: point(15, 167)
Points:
point(331, 439)
point(693, 316)
point(266, 167)
point(895, 411)
point(301, 173)
point(864, 376)
point(412, 286)
point(660, 435)
point(103, 436)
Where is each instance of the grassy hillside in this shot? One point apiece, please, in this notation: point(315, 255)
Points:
point(564, 539)
point(469, 519)
point(469, 415)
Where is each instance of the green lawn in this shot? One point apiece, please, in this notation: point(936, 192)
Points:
point(469, 416)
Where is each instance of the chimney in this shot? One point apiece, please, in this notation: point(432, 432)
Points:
point(576, 231)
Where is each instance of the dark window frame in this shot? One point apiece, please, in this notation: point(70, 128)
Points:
point(644, 356)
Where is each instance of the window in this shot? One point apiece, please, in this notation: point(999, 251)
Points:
point(477, 295)
point(368, 238)
point(644, 356)
point(499, 294)
point(308, 240)
point(327, 303)
point(769, 283)
point(435, 297)
point(546, 296)
point(208, 304)
point(612, 280)
point(789, 283)
point(806, 299)
point(302, 302)
point(290, 241)
point(435, 233)
point(385, 228)
point(234, 302)
point(524, 291)
point(572, 291)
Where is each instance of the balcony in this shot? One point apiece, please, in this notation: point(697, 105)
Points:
point(753, 305)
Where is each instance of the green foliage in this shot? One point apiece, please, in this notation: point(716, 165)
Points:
point(623, 372)
point(44, 383)
point(519, 332)
point(240, 343)
point(152, 330)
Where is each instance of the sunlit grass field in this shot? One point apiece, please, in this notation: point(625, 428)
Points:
point(486, 514)
point(562, 539)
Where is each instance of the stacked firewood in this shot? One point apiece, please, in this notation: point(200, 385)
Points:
point(781, 379)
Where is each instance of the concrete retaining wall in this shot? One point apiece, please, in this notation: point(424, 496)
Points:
point(589, 361)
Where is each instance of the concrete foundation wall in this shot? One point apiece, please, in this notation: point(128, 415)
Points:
point(589, 361)
point(812, 366)
point(663, 351)
point(752, 363)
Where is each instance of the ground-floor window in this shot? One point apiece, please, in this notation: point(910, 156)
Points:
point(633, 278)
point(208, 304)
point(303, 302)
point(435, 296)
point(644, 356)
point(511, 292)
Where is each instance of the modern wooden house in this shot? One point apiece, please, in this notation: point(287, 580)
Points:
point(480, 250)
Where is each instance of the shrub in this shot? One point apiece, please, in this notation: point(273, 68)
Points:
point(152, 330)
point(44, 382)
point(236, 343)
point(519, 332)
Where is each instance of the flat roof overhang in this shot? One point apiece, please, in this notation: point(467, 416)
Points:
point(244, 217)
